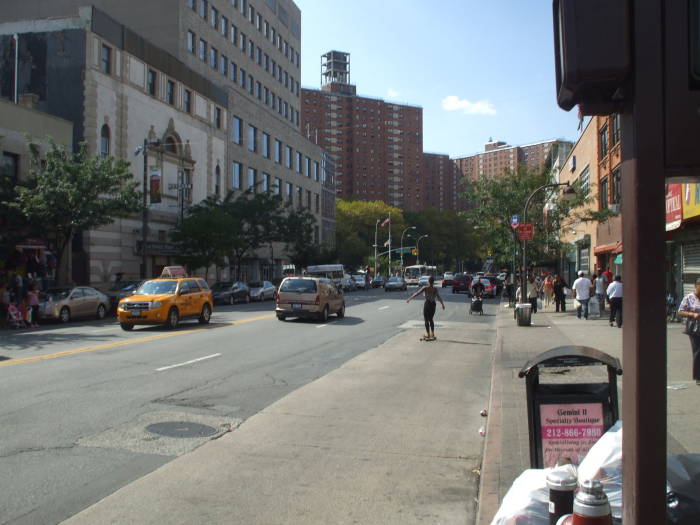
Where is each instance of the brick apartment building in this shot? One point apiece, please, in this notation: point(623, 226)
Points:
point(440, 183)
point(377, 146)
point(225, 73)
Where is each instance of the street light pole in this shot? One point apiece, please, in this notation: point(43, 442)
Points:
point(568, 192)
point(402, 234)
point(376, 227)
point(144, 218)
point(418, 249)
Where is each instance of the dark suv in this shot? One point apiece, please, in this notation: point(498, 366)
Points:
point(461, 282)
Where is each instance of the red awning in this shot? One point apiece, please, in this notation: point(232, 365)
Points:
point(615, 247)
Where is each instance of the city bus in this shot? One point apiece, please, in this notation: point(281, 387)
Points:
point(413, 273)
point(334, 272)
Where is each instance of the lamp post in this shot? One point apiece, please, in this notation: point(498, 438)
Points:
point(402, 234)
point(376, 226)
point(568, 194)
point(418, 249)
point(147, 144)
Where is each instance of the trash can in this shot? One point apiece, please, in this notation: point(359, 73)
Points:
point(523, 314)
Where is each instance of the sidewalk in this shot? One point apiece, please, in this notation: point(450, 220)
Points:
point(391, 437)
point(506, 452)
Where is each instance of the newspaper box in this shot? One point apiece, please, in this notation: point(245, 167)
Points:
point(565, 419)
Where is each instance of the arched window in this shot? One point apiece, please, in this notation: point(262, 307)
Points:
point(171, 145)
point(104, 141)
point(217, 187)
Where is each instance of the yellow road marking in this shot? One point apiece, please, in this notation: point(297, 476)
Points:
point(127, 342)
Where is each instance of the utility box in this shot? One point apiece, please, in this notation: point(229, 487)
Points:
point(566, 419)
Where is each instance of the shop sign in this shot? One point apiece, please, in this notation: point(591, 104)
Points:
point(569, 430)
point(691, 200)
point(674, 206)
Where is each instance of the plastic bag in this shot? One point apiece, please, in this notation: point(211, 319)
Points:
point(604, 463)
point(593, 307)
point(683, 489)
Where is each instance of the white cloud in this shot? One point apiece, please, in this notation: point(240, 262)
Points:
point(480, 107)
point(392, 93)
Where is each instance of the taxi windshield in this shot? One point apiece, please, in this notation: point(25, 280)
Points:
point(157, 288)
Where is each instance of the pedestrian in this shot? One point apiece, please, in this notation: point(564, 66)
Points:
point(33, 303)
point(559, 288)
point(690, 309)
point(4, 303)
point(431, 295)
point(533, 293)
point(601, 284)
point(548, 289)
point(582, 293)
point(614, 293)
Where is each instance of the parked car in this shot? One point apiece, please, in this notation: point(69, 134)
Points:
point(348, 283)
point(230, 292)
point(423, 281)
point(308, 297)
point(447, 279)
point(460, 283)
point(261, 290)
point(502, 276)
point(395, 283)
point(119, 290)
point(489, 286)
point(497, 283)
point(378, 281)
point(359, 281)
point(166, 301)
point(65, 304)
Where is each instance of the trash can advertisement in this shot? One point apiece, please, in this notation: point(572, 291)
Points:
point(569, 430)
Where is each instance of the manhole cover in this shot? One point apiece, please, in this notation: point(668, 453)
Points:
point(181, 429)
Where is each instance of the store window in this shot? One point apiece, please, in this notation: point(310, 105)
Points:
point(236, 169)
point(104, 141)
point(106, 59)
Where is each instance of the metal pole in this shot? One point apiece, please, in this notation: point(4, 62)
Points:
point(144, 218)
point(376, 227)
point(389, 274)
point(402, 234)
point(16, 37)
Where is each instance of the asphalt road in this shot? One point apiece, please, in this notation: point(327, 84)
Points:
point(76, 399)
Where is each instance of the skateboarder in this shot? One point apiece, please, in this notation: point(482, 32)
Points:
point(431, 295)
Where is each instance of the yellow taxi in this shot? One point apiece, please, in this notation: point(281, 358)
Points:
point(166, 301)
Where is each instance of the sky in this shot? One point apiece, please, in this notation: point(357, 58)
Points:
point(480, 69)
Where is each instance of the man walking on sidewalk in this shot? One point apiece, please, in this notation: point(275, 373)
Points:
point(614, 292)
point(533, 293)
point(582, 293)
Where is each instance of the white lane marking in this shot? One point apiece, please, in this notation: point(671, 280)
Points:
point(321, 326)
point(102, 330)
point(187, 362)
point(382, 308)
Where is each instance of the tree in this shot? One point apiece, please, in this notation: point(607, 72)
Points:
point(298, 236)
point(73, 193)
point(14, 226)
point(205, 235)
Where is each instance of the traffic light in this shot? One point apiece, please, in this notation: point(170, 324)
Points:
point(414, 251)
point(592, 50)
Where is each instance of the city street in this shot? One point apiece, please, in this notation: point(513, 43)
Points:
point(76, 399)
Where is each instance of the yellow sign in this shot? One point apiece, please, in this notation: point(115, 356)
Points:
point(691, 200)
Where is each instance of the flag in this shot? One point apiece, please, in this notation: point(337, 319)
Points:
point(386, 221)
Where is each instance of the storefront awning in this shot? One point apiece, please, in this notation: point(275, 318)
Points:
point(615, 247)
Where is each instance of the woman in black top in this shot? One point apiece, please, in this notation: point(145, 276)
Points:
point(559, 296)
point(431, 295)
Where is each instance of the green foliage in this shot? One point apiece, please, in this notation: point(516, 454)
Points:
point(14, 225)
point(75, 192)
point(298, 237)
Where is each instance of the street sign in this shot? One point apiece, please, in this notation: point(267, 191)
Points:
point(526, 231)
point(514, 221)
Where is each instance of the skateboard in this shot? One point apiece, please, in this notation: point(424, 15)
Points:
point(427, 338)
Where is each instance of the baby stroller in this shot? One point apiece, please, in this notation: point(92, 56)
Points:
point(476, 305)
point(14, 317)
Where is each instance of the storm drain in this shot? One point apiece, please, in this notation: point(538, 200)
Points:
point(181, 429)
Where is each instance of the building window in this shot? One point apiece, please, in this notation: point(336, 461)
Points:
point(307, 167)
point(187, 101)
point(288, 157)
point(202, 50)
point(615, 129)
point(584, 181)
point(236, 175)
point(297, 163)
point(266, 182)
point(316, 171)
point(151, 82)
point(258, 90)
point(603, 141)
point(241, 4)
point(267, 29)
point(9, 166)
point(213, 57)
point(300, 196)
point(250, 84)
point(241, 79)
point(203, 9)
point(233, 72)
point(288, 192)
point(191, 4)
point(224, 26)
point(604, 193)
point(106, 59)
point(278, 151)
point(191, 42)
point(243, 41)
point(234, 34)
point(252, 138)
point(170, 92)
point(267, 96)
point(318, 202)
point(214, 19)
point(258, 22)
point(251, 49)
point(252, 179)
point(266, 145)
point(308, 199)
point(251, 14)
point(223, 65)
point(104, 141)
point(236, 130)
point(617, 186)
point(217, 184)
point(278, 186)
point(217, 117)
